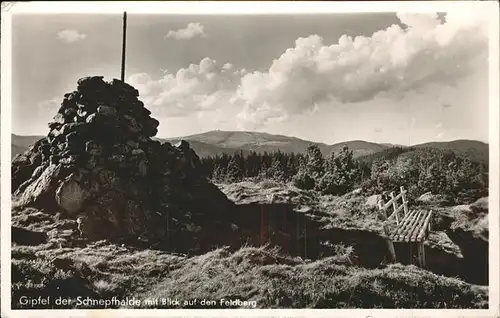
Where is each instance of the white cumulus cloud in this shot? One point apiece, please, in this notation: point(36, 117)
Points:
point(71, 36)
point(202, 87)
point(192, 30)
point(389, 63)
point(312, 75)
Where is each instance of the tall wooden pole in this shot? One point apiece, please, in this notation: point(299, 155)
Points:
point(124, 42)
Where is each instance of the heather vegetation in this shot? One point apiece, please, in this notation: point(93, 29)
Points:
point(260, 276)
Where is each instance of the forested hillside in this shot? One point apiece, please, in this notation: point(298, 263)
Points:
point(420, 170)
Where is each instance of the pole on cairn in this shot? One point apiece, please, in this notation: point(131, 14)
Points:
point(124, 42)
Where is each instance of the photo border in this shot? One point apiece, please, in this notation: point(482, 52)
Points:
point(491, 13)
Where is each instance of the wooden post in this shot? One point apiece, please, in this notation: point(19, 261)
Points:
point(392, 251)
point(403, 197)
point(421, 254)
point(305, 238)
point(395, 207)
point(124, 41)
point(262, 226)
point(390, 245)
point(168, 228)
point(381, 208)
point(380, 205)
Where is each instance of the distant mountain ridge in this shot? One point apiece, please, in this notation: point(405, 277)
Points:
point(472, 149)
point(260, 142)
point(217, 142)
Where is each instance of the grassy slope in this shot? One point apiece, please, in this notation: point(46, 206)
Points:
point(251, 274)
point(274, 282)
point(261, 274)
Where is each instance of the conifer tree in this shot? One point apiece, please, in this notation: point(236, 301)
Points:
point(234, 172)
point(315, 164)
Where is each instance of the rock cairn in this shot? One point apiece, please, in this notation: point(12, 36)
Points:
point(99, 163)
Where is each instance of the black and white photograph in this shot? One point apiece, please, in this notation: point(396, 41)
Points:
point(250, 160)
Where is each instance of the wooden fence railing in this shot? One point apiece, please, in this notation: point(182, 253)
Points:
point(394, 203)
point(411, 227)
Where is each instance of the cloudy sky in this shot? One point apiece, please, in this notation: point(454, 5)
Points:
point(395, 77)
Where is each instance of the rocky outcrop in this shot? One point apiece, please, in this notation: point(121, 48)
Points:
point(429, 198)
point(99, 163)
point(372, 201)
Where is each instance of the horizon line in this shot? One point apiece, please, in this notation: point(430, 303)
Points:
point(291, 136)
point(320, 142)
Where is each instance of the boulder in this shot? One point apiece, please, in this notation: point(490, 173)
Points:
point(69, 160)
point(42, 189)
point(73, 127)
point(429, 198)
point(118, 161)
point(131, 124)
point(121, 149)
point(91, 83)
point(55, 132)
point(481, 205)
point(73, 137)
point(74, 147)
point(133, 144)
point(60, 119)
point(92, 119)
point(55, 126)
point(71, 197)
point(92, 162)
point(142, 168)
point(38, 171)
point(54, 160)
point(109, 179)
point(92, 148)
point(106, 111)
point(137, 152)
point(372, 201)
point(82, 113)
point(112, 215)
point(126, 89)
point(357, 191)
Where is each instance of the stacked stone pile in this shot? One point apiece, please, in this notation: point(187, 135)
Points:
point(99, 163)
